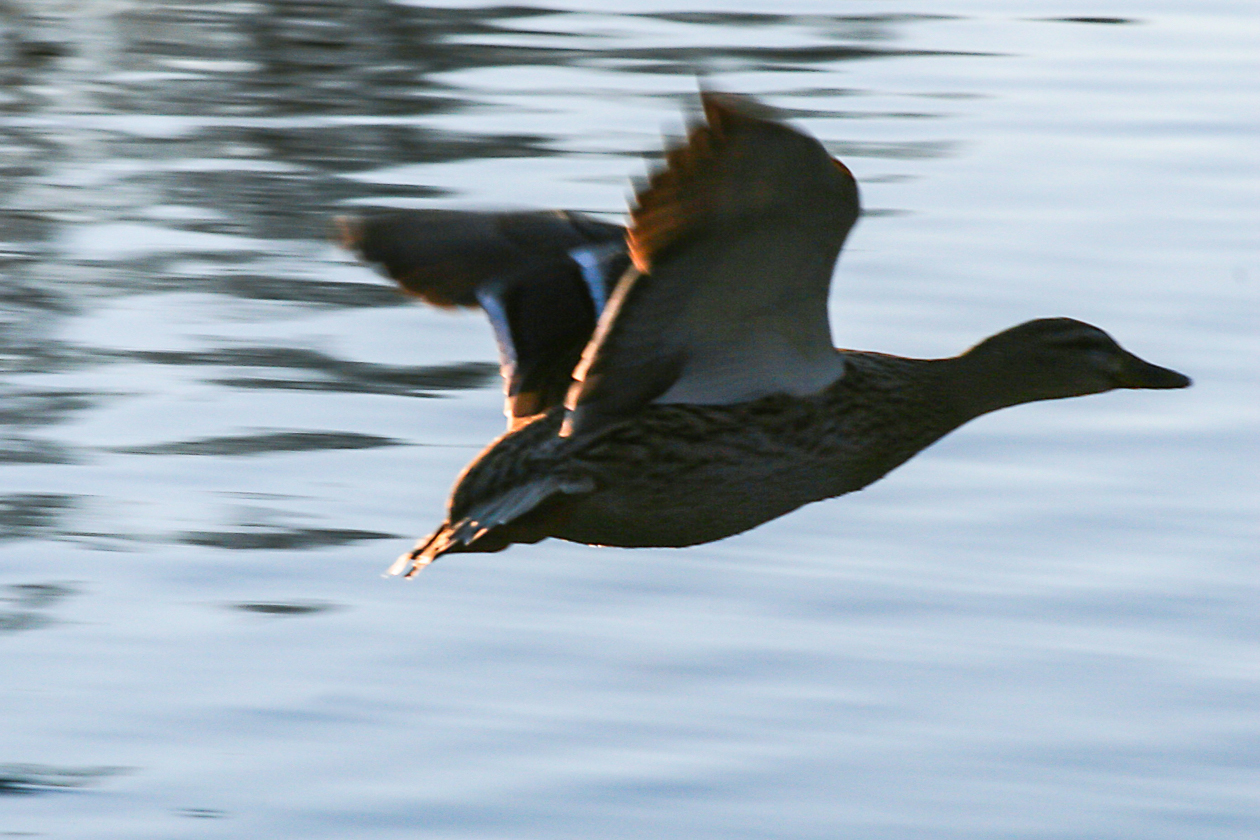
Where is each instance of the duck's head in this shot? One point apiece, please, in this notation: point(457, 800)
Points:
point(1051, 358)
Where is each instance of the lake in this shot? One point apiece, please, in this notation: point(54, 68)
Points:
point(217, 430)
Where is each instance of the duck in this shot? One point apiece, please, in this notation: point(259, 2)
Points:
point(674, 382)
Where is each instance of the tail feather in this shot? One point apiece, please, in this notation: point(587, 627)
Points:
point(486, 526)
point(426, 551)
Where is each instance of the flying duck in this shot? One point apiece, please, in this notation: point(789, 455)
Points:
point(674, 382)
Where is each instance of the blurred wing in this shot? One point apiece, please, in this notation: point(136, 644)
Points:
point(734, 242)
point(541, 277)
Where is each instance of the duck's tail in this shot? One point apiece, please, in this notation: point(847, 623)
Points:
point(426, 551)
point(492, 525)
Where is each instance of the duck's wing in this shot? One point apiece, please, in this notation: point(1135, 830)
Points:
point(541, 277)
point(734, 242)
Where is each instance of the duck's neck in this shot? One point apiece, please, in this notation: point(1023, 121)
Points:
point(938, 394)
point(976, 383)
point(889, 407)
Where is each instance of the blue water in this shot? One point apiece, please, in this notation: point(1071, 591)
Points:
point(216, 431)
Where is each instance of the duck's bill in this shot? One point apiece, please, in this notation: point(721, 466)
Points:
point(1137, 373)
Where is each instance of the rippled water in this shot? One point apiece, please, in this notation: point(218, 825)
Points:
point(216, 431)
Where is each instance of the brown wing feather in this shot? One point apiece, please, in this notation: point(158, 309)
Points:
point(718, 175)
point(734, 240)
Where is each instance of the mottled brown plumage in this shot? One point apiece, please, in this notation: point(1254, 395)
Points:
point(681, 474)
point(709, 398)
point(678, 475)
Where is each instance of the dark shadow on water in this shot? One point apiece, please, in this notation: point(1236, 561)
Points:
point(26, 515)
point(39, 595)
point(1109, 21)
point(323, 293)
point(265, 443)
point(12, 622)
point(858, 26)
point(29, 602)
point(203, 813)
point(280, 539)
point(43, 408)
point(19, 450)
point(285, 609)
point(330, 373)
point(28, 779)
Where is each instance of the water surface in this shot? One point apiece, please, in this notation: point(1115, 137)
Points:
point(216, 431)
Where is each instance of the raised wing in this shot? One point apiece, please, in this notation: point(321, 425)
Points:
point(541, 277)
point(734, 241)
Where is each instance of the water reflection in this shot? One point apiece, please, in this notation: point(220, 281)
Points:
point(26, 515)
point(203, 813)
point(28, 605)
point(264, 443)
point(1106, 21)
point(323, 372)
point(285, 609)
point(271, 538)
point(26, 779)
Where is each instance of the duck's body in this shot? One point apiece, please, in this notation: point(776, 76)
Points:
point(682, 474)
point(708, 399)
